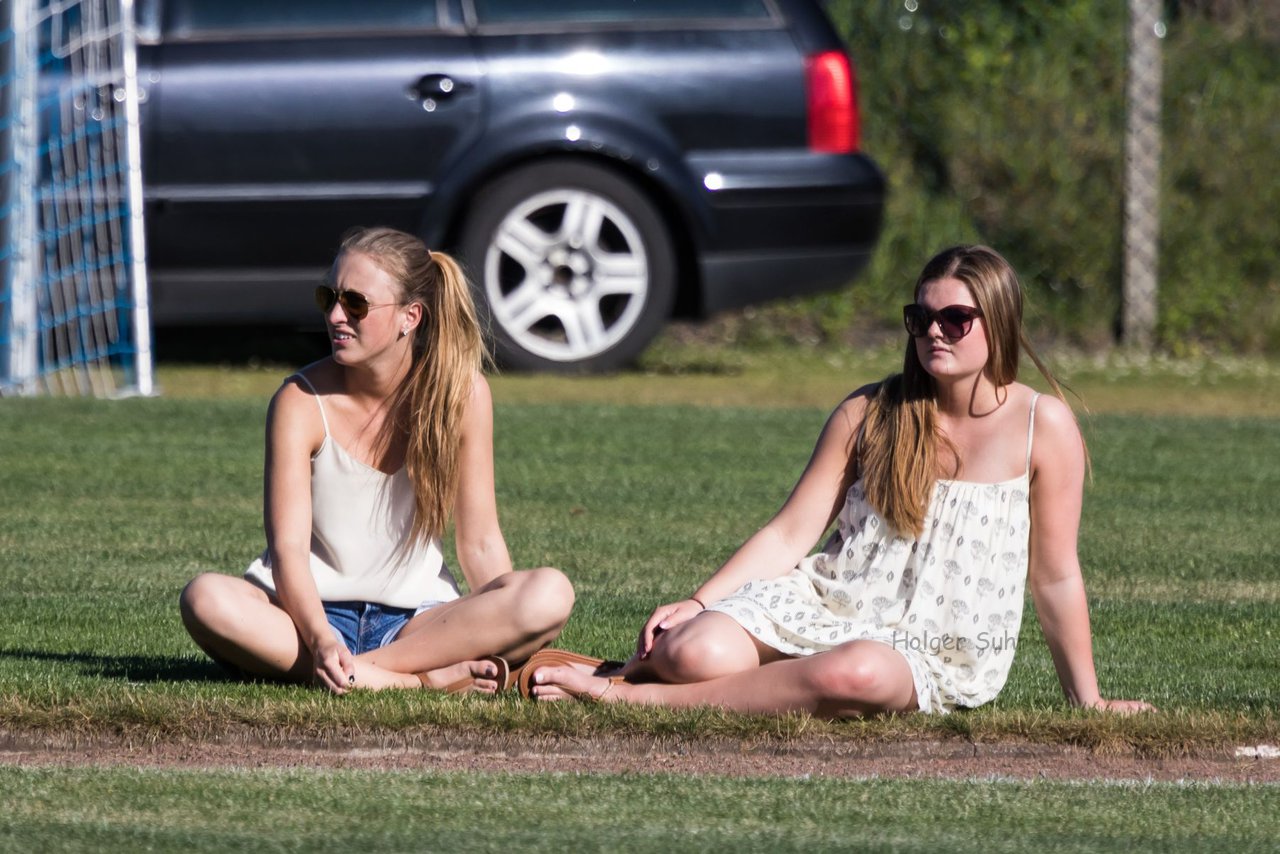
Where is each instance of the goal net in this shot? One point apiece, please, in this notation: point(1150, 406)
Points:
point(73, 289)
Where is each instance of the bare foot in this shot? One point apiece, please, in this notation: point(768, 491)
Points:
point(371, 677)
point(573, 681)
point(482, 673)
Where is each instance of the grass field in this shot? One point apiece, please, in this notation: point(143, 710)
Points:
point(132, 810)
point(636, 486)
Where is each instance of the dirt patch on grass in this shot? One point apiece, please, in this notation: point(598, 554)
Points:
point(540, 755)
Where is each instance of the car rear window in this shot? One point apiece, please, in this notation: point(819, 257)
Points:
point(195, 19)
point(617, 11)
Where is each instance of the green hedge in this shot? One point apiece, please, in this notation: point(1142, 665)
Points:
point(1004, 122)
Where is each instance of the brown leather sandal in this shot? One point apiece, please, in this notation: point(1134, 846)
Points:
point(503, 677)
point(556, 657)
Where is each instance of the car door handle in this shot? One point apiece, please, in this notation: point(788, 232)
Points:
point(434, 88)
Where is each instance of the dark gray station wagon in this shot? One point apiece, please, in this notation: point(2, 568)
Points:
point(599, 165)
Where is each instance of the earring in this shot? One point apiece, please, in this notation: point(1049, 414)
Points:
point(404, 332)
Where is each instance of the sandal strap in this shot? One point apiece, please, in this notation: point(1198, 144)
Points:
point(613, 680)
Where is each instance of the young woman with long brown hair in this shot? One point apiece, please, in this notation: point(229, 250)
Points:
point(952, 486)
point(370, 453)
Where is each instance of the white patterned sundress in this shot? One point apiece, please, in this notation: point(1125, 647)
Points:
point(950, 601)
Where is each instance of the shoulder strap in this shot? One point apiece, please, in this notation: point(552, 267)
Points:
point(1031, 428)
point(316, 394)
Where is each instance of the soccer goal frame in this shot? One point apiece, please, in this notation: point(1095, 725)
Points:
point(74, 309)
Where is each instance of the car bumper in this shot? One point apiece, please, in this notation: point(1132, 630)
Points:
point(778, 226)
point(749, 278)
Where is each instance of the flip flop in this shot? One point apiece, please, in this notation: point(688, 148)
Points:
point(555, 657)
point(503, 677)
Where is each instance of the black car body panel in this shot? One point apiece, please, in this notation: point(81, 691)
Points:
point(266, 134)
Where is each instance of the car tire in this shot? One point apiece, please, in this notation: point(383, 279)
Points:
point(573, 267)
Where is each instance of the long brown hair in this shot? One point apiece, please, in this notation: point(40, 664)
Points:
point(448, 352)
point(896, 450)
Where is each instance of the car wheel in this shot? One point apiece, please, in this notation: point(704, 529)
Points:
point(573, 266)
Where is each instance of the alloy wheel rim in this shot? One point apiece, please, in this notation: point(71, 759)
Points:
point(566, 274)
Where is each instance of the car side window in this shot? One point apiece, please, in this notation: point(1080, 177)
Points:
point(618, 11)
point(201, 19)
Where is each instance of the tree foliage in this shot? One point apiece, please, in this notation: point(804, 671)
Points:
point(1003, 121)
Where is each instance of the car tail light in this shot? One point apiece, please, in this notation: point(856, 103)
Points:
point(833, 107)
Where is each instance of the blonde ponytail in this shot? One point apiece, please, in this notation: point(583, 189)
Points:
point(448, 352)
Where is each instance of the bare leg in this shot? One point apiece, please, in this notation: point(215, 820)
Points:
point(856, 679)
point(239, 623)
point(514, 616)
point(710, 645)
point(707, 647)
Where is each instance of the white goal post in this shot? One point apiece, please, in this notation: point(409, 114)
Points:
point(74, 315)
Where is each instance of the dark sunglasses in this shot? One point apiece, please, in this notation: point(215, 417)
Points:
point(354, 303)
point(954, 320)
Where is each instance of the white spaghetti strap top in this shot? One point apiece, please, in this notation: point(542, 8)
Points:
point(323, 418)
point(361, 544)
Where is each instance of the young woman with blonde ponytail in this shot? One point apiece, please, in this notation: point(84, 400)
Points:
point(951, 486)
point(370, 453)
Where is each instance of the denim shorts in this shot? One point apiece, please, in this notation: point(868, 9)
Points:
point(364, 626)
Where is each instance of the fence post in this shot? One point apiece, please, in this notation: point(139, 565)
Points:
point(1142, 176)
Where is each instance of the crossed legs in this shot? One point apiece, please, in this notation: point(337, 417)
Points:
point(513, 616)
point(712, 661)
